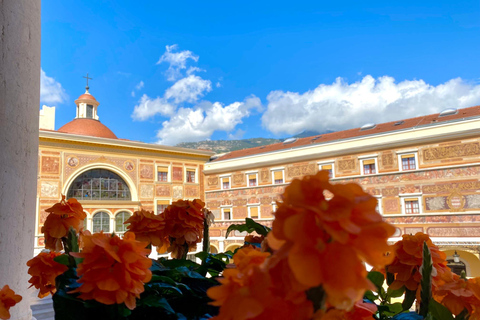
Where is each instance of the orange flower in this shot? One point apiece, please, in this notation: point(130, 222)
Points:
point(408, 259)
point(147, 227)
point(459, 294)
point(44, 270)
point(8, 299)
point(328, 240)
point(113, 270)
point(184, 225)
point(361, 311)
point(63, 215)
point(251, 292)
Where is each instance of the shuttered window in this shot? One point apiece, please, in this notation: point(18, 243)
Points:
point(252, 180)
point(329, 168)
point(369, 166)
point(225, 183)
point(162, 205)
point(162, 174)
point(278, 177)
point(227, 214)
point(254, 212)
point(408, 162)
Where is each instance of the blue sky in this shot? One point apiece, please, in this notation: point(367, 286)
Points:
point(168, 72)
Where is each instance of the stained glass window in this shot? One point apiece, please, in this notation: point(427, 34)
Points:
point(99, 184)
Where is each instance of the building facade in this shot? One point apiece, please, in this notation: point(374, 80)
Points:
point(424, 172)
point(111, 177)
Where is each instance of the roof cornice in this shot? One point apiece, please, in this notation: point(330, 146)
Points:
point(393, 139)
point(67, 137)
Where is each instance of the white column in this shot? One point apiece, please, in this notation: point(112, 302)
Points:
point(19, 119)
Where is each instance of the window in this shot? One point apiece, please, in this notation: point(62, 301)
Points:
point(101, 222)
point(277, 177)
point(120, 218)
point(99, 184)
point(162, 174)
point(328, 167)
point(191, 175)
point(89, 111)
point(274, 206)
point(162, 205)
point(412, 205)
point(369, 166)
point(408, 162)
point(252, 180)
point(227, 213)
point(253, 212)
point(226, 183)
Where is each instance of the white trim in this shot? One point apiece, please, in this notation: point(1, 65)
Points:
point(248, 180)
point(400, 162)
point(223, 213)
point(225, 175)
point(277, 168)
point(195, 177)
point(229, 182)
point(379, 204)
point(251, 172)
point(169, 172)
point(402, 203)
point(368, 156)
point(407, 151)
point(272, 172)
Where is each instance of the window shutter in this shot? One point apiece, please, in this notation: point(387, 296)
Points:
point(370, 161)
point(254, 212)
point(225, 180)
point(411, 199)
point(252, 177)
point(163, 202)
point(162, 169)
point(278, 175)
point(406, 156)
point(327, 167)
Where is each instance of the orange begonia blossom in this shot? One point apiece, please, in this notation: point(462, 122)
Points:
point(408, 259)
point(360, 311)
point(113, 270)
point(251, 292)
point(318, 233)
point(184, 225)
point(459, 294)
point(62, 216)
point(147, 227)
point(44, 270)
point(8, 299)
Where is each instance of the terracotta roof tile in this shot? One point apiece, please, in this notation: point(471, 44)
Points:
point(87, 127)
point(354, 133)
point(87, 96)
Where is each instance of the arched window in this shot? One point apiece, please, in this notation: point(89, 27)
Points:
point(99, 184)
point(101, 222)
point(120, 218)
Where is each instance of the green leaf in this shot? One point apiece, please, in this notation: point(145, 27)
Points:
point(426, 281)
point(438, 311)
point(317, 296)
point(249, 226)
point(463, 315)
point(395, 293)
point(377, 279)
point(410, 296)
point(394, 308)
point(62, 259)
point(370, 295)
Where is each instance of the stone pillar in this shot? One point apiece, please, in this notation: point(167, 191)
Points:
point(19, 112)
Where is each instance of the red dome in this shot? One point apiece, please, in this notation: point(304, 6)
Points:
point(87, 96)
point(88, 127)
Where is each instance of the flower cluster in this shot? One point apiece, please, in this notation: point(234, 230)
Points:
point(44, 270)
point(63, 215)
point(113, 270)
point(460, 294)
point(319, 245)
point(177, 230)
point(253, 291)
point(8, 299)
point(408, 259)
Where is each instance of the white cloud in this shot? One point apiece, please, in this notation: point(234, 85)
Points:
point(341, 105)
point(237, 134)
point(51, 91)
point(218, 84)
point(188, 89)
point(177, 61)
point(148, 107)
point(198, 124)
point(140, 85)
